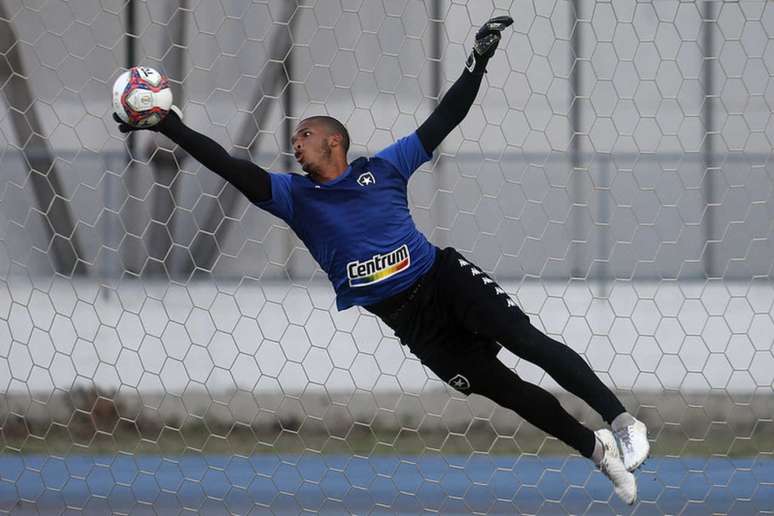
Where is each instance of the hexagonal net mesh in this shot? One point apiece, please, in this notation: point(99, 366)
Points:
point(166, 345)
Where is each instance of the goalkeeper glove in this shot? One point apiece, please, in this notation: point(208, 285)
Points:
point(487, 39)
point(173, 117)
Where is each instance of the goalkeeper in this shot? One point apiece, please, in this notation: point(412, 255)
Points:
point(354, 219)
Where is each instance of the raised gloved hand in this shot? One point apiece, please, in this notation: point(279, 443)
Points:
point(174, 117)
point(487, 39)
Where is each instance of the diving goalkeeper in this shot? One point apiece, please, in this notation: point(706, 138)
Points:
point(354, 219)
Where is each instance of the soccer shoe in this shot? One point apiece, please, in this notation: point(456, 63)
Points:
point(634, 445)
point(624, 483)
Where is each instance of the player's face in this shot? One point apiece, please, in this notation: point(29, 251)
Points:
point(311, 145)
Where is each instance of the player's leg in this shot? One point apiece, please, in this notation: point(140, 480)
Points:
point(483, 307)
point(573, 373)
point(476, 369)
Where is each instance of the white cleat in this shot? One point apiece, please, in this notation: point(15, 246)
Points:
point(624, 483)
point(634, 445)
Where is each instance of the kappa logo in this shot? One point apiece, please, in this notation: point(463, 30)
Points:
point(460, 383)
point(366, 178)
point(487, 281)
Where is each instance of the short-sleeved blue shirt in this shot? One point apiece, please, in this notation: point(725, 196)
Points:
point(358, 226)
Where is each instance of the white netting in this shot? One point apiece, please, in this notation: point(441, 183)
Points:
point(164, 345)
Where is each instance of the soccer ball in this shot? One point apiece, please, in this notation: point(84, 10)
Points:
point(141, 96)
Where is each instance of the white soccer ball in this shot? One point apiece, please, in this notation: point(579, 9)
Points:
point(141, 96)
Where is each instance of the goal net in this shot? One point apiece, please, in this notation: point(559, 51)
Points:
point(165, 345)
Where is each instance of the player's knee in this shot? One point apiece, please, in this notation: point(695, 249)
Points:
point(537, 344)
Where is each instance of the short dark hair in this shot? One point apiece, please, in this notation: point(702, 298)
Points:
point(335, 127)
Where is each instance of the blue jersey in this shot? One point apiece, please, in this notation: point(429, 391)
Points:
point(358, 226)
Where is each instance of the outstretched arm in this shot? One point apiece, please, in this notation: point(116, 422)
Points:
point(457, 101)
point(247, 177)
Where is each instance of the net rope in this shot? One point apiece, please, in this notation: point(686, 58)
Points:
point(165, 344)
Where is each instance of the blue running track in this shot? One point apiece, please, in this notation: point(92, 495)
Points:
point(216, 484)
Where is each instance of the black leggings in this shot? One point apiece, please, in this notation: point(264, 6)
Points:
point(453, 321)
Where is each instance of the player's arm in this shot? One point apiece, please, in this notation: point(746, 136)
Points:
point(247, 177)
point(457, 101)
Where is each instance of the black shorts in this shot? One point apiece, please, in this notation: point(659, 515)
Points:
point(455, 318)
point(443, 318)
